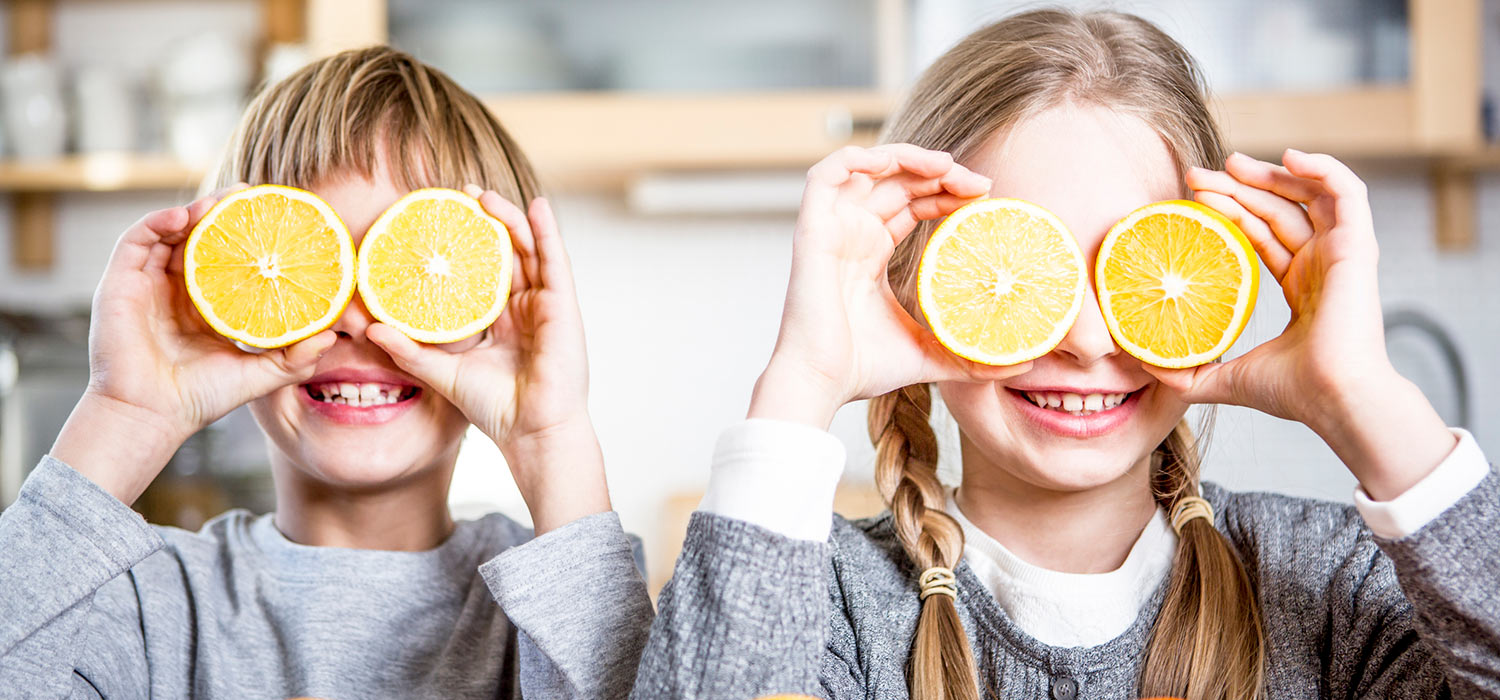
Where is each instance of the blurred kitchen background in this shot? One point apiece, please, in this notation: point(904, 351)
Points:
point(674, 135)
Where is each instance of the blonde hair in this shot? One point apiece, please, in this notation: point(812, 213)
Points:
point(1207, 641)
point(341, 114)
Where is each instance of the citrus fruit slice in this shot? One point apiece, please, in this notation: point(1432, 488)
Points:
point(269, 265)
point(1177, 282)
point(1001, 281)
point(435, 266)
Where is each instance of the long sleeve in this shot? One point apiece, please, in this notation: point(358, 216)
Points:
point(1449, 571)
point(748, 609)
point(62, 541)
point(745, 614)
point(580, 605)
point(1454, 477)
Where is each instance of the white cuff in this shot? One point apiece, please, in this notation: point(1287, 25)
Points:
point(778, 475)
point(1453, 478)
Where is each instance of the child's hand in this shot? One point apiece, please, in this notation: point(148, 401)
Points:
point(157, 372)
point(1310, 223)
point(525, 384)
point(843, 334)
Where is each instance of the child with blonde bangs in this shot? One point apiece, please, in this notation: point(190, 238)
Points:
point(360, 585)
point(1079, 557)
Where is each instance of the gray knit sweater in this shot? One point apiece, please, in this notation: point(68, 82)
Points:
point(1347, 614)
point(96, 603)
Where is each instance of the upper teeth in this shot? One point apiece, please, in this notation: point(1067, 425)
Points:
point(1076, 404)
point(349, 393)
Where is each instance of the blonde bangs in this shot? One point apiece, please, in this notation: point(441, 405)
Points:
point(339, 115)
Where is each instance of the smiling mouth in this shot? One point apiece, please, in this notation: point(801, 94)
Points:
point(1075, 404)
point(361, 395)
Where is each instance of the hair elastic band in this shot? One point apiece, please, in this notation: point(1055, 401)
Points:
point(940, 581)
point(1188, 509)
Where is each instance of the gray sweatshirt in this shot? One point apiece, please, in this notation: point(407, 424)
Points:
point(1347, 614)
point(96, 603)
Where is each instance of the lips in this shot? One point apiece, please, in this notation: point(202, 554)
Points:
point(1076, 403)
point(360, 396)
point(1077, 412)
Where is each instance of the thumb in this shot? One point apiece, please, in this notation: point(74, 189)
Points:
point(1208, 383)
point(289, 365)
point(430, 365)
point(972, 371)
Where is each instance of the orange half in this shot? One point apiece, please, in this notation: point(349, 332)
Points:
point(1001, 281)
point(1177, 282)
point(436, 266)
point(269, 266)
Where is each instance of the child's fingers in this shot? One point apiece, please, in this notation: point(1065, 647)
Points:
point(527, 268)
point(133, 252)
point(1272, 177)
point(828, 176)
point(556, 268)
point(1202, 384)
point(303, 355)
point(966, 183)
point(836, 168)
point(915, 159)
point(201, 206)
point(430, 365)
point(1271, 250)
point(1350, 194)
point(941, 365)
point(1288, 220)
point(274, 369)
point(161, 258)
point(922, 209)
point(177, 261)
point(980, 372)
point(897, 192)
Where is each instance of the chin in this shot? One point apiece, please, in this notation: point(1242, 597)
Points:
point(364, 464)
point(1077, 467)
point(338, 447)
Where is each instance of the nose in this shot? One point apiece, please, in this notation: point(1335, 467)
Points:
point(1088, 341)
point(352, 323)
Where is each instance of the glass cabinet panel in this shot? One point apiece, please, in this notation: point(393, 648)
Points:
point(666, 46)
point(1242, 45)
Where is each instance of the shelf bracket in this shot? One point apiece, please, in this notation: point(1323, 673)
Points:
point(1455, 206)
point(31, 230)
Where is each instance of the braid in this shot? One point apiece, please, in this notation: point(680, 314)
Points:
point(1208, 641)
point(942, 665)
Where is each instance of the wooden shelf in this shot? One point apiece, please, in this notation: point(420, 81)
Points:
point(599, 139)
point(1353, 123)
point(99, 173)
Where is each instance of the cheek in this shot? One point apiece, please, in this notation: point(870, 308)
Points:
point(1162, 407)
point(272, 410)
point(968, 401)
point(979, 410)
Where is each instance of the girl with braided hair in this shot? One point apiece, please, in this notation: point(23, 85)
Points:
point(1079, 556)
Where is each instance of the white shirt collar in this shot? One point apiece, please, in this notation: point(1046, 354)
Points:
point(1064, 609)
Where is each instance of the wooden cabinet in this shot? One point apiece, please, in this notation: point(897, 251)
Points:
point(1432, 122)
point(591, 140)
